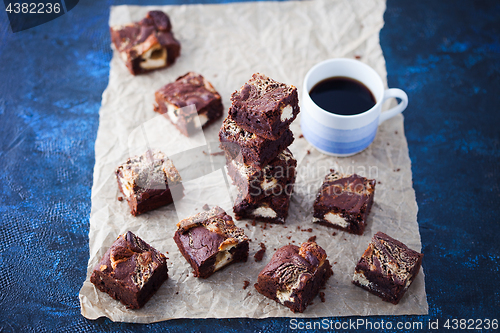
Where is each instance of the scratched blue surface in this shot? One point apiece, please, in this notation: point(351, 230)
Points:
point(445, 54)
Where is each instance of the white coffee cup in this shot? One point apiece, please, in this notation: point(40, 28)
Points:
point(341, 135)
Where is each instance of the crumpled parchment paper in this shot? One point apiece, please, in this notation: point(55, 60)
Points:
point(227, 44)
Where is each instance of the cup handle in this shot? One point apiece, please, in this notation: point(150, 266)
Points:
point(396, 93)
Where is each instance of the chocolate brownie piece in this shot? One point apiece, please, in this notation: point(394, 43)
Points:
point(148, 181)
point(146, 45)
point(254, 184)
point(190, 103)
point(131, 271)
point(210, 241)
point(344, 202)
point(294, 275)
point(273, 208)
point(249, 148)
point(265, 107)
point(387, 268)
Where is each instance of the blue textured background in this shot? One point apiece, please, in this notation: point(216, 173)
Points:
point(445, 54)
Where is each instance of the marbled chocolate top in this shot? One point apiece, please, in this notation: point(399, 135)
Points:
point(207, 233)
point(141, 36)
point(262, 94)
point(216, 221)
point(291, 264)
point(131, 261)
point(191, 88)
point(390, 258)
point(151, 170)
point(345, 192)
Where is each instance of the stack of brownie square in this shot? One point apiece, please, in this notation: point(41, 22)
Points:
point(255, 136)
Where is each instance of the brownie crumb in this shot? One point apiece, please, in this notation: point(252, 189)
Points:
point(388, 144)
point(322, 296)
point(206, 207)
point(309, 230)
point(120, 198)
point(357, 56)
point(398, 169)
point(249, 294)
point(379, 182)
point(298, 227)
point(177, 293)
point(219, 153)
point(301, 136)
point(253, 223)
point(308, 152)
point(204, 152)
point(246, 284)
point(285, 227)
point(246, 225)
point(396, 132)
point(335, 263)
point(334, 234)
point(312, 239)
point(289, 237)
point(293, 241)
point(260, 254)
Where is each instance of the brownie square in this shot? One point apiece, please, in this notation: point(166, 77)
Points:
point(273, 208)
point(254, 183)
point(387, 268)
point(210, 241)
point(146, 45)
point(190, 103)
point(265, 107)
point(294, 275)
point(344, 202)
point(148, 181)
point(249, 148)
point(131, 271)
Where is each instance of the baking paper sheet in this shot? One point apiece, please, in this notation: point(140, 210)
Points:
point(227, 44)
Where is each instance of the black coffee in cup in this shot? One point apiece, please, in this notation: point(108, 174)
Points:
point(342, 95)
